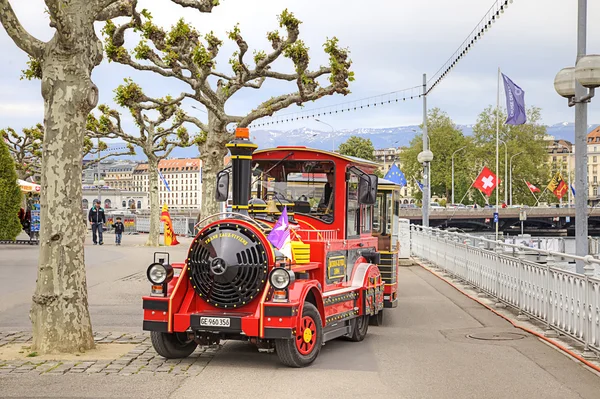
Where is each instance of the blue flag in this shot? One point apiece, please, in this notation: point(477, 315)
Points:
point(572, 189)
point(164, 180)
point(395, 175)
point(515, 102)
point(419, 184)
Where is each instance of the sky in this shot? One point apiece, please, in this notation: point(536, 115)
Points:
point(392, 43)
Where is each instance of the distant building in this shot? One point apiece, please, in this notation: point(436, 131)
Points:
point(115, 199)
point(90, 171)
point(184, 177)
point(561, 156)
point(593, 147)
point(386, 158)
point(120, 176)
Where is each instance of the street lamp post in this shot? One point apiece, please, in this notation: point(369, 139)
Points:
point(332, 130)
point(511, 158)
point(425, 157)
point(572, 83)
point(505, 170)
point(460, 149)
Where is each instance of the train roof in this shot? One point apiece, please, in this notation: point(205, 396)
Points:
point(381, 180)
point(349, 158)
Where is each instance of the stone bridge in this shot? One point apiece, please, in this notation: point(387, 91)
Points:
point(539, 221)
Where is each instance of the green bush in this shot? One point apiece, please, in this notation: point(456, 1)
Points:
point(10, 196)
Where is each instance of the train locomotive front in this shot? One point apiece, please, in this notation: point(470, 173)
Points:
point(234, 284)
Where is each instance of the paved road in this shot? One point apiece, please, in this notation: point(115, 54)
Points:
point(421, 352)
point(116, 281)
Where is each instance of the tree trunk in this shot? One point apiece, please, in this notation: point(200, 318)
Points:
point(59, 312)
point(154, 235)
point(212, 154)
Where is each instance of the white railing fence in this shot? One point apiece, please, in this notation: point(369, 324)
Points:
point(182, 225)
point(528, 279)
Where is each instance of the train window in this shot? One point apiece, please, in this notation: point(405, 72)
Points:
point(367, 219)
point(353, 214)
point(307, 186)
point(378, 214)
point(395, 218)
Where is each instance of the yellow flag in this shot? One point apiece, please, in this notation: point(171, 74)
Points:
point(170, 236)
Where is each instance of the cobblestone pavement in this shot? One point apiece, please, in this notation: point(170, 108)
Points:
point(140, 360)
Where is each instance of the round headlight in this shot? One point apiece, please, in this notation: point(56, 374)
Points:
point(281, 278)
point(158, 273)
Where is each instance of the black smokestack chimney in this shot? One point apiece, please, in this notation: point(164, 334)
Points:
point(241, 149)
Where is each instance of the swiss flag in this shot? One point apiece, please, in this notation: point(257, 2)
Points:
point(532, 188)
point(486, 182)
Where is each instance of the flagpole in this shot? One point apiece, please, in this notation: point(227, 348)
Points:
point(536, 200)
point(540, 197)
point(461, 200)
point(486, 201)
point(497, 142)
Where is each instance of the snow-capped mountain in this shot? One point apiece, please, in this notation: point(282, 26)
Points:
point(326, 139)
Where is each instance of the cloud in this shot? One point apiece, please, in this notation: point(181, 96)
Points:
point(392, 44)
point(21, 114)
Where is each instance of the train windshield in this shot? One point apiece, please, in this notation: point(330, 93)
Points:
point(307, 186)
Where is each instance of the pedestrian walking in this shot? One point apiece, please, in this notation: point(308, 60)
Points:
point(119, 229)
point(96, 218)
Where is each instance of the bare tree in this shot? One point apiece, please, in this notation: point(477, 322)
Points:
point(161, 130)
point(26, 150)
point(59, 312)
point(183, 54)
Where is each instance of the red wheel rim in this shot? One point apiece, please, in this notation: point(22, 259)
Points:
point(307, 336)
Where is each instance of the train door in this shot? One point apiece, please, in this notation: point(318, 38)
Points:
point(386, 230)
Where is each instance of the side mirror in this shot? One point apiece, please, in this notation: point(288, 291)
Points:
point(367, 189)
point(222, 190)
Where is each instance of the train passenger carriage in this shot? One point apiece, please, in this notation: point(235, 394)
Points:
point(386, 229)
point(331, 279)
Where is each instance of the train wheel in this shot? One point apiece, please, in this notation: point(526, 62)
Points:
point(305, 347)
point(172, 346)
point(360, 326)
point(376, 320)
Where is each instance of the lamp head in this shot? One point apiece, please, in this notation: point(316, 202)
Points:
point(425, 156)
point(587, 71)
point(564, 82)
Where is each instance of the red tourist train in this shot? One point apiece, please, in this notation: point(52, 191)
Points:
point(234, 284)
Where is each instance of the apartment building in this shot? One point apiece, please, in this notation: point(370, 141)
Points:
point(183, 177)
point(386, 158)
point(593, 149)
point(120, 176)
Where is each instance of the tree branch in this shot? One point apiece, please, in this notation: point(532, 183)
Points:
point(187, 118)
point(94, 161)
point(118, 8)
point(25, 41)
point(201, 5)
point(269, 107)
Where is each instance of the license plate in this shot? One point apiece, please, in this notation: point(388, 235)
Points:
point(215, 322)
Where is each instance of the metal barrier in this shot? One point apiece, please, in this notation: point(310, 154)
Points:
point(129, 222)
point(183, 226)
point(564, 301)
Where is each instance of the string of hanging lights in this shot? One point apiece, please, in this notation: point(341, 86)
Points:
point(491, 16)
point(356, 105)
